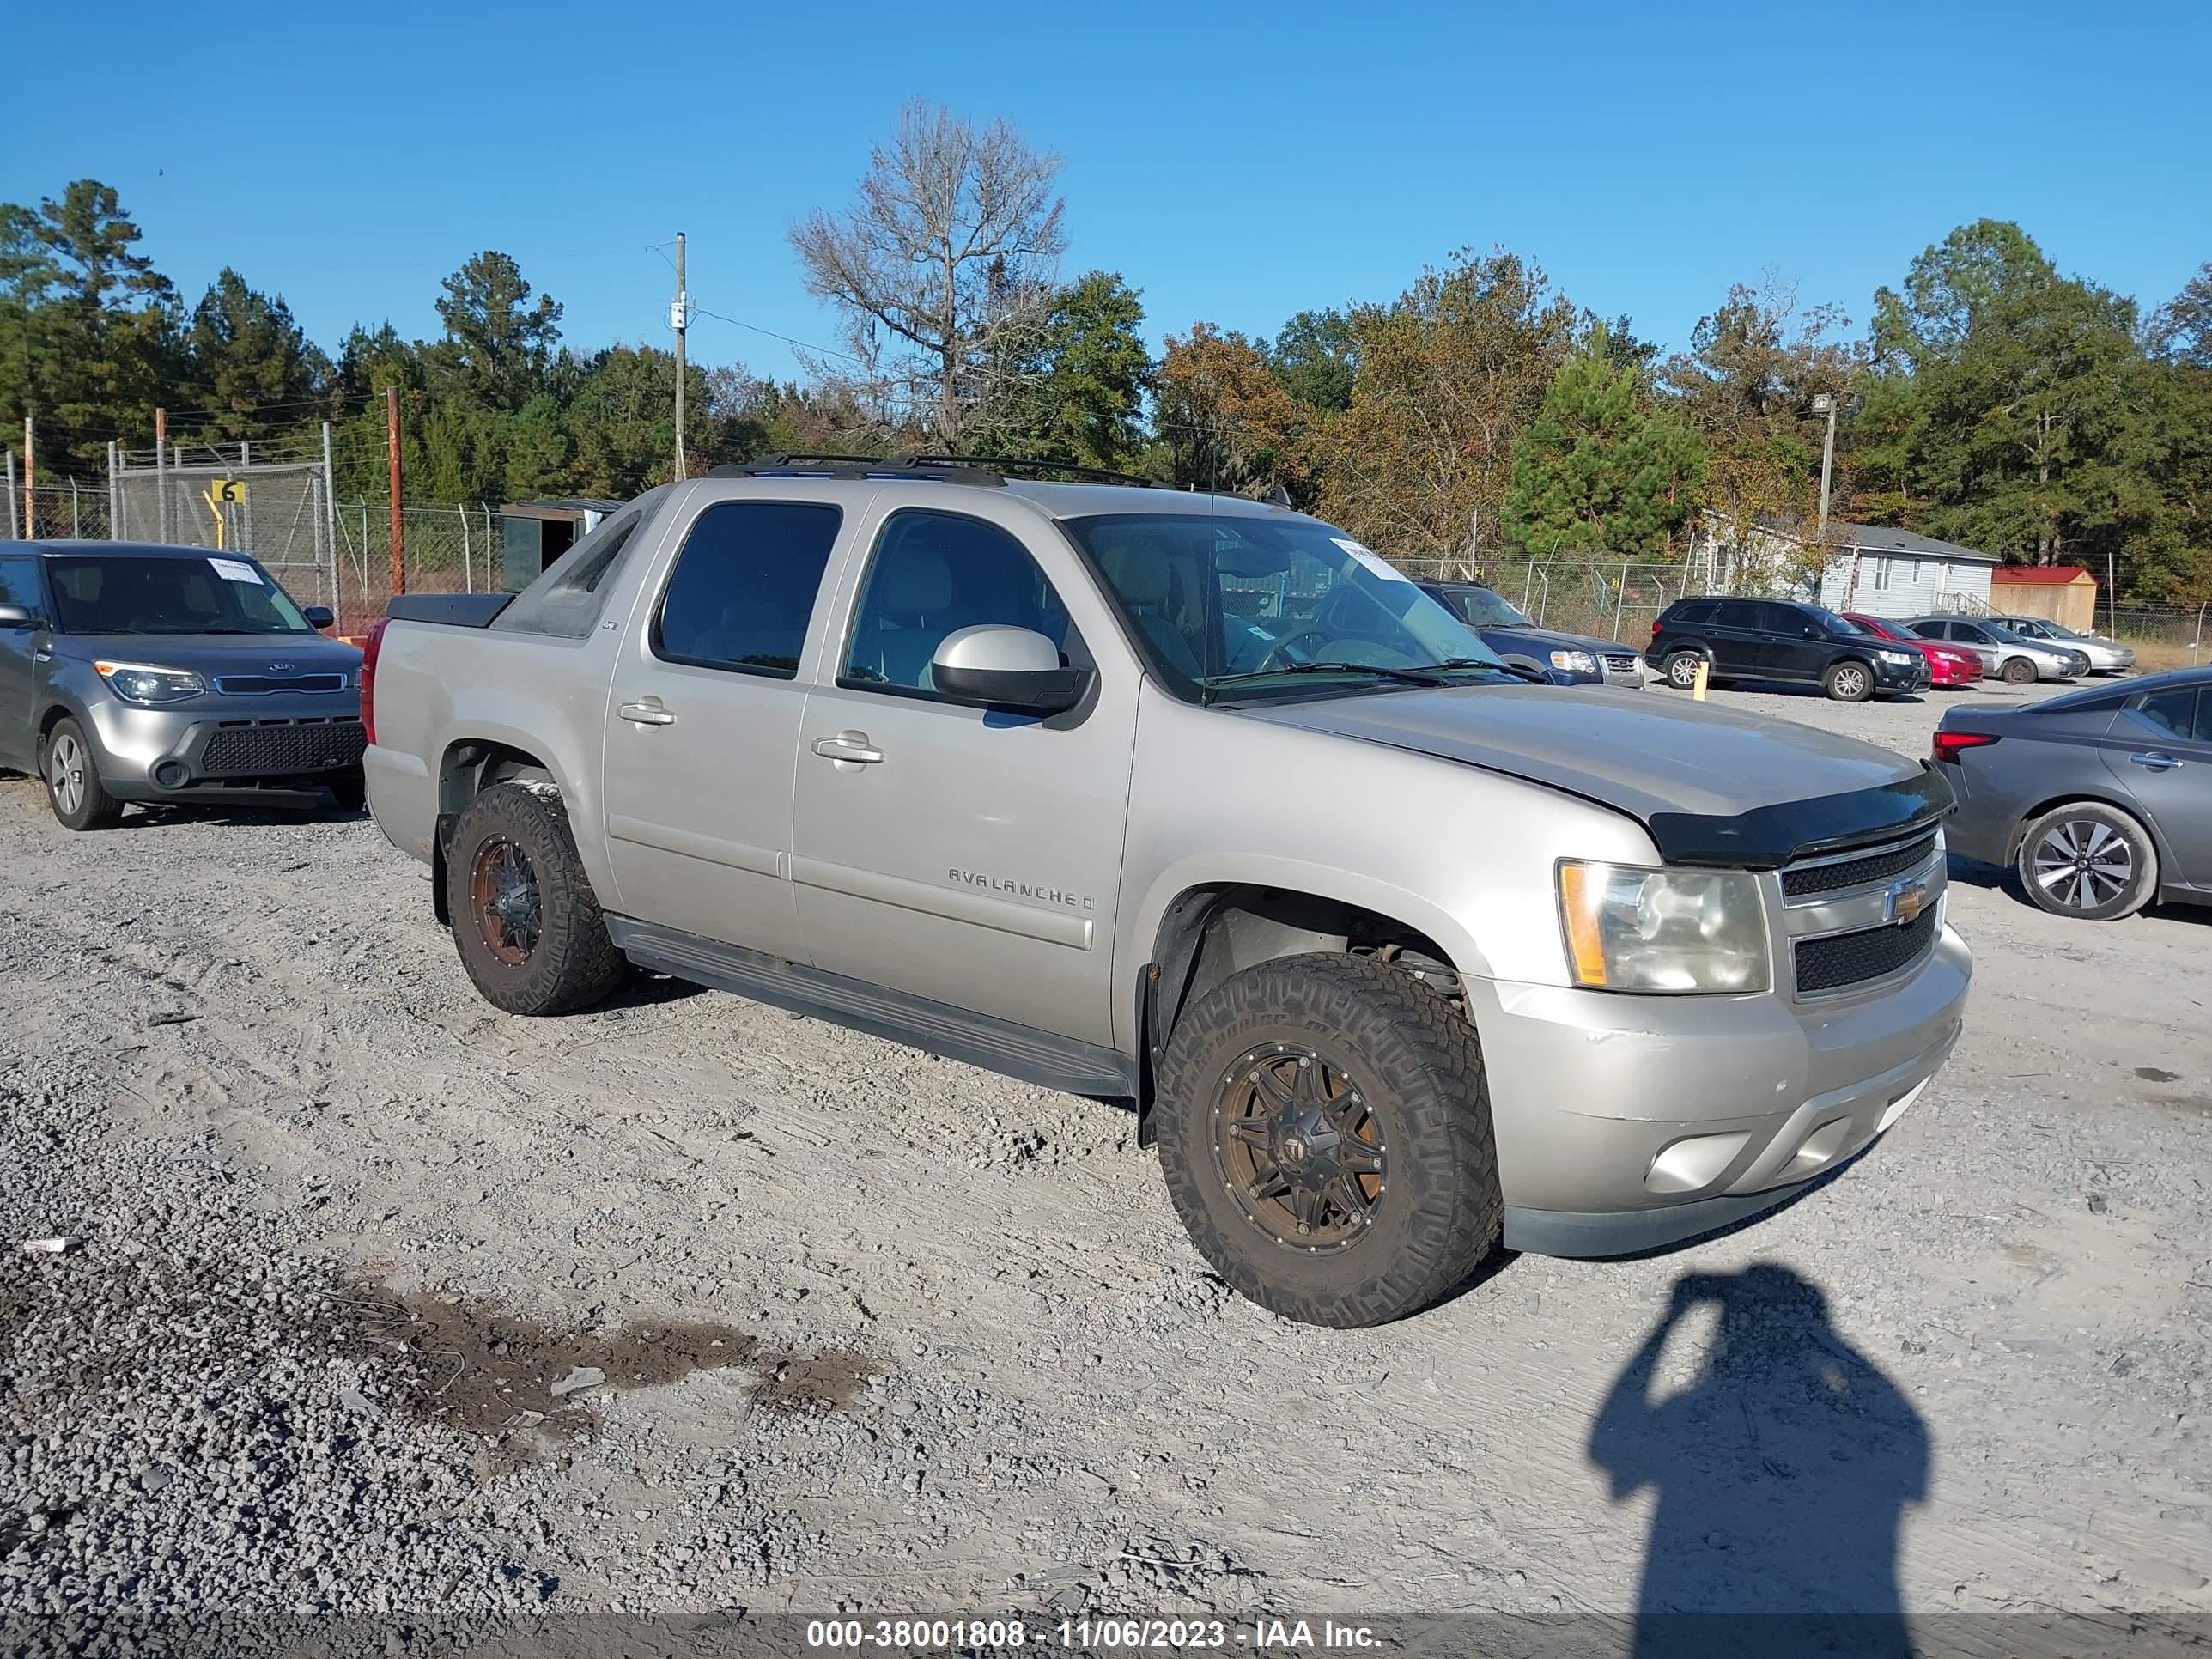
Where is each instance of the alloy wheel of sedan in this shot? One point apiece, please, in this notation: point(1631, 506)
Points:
point(2084, 865)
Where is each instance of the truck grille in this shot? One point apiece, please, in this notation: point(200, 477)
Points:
point(1803, 880)
point(1835, 960)
point(1621, 665)
point(272, 748)
point(258, 685)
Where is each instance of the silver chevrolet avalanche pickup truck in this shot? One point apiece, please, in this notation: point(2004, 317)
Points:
point(1195, 802)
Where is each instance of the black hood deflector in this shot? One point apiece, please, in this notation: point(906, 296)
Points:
point(1767, 837)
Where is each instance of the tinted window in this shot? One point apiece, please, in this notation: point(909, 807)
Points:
point(220, 593)
point(1690, 615)
point(1973, 633)
point(1740, 613)
point(933, 574)
point(2177, 713)
point(19, 583)
point(745, 585)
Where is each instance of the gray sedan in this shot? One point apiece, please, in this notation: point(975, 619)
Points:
point(2102, 799)
point(2013, 657)
point(2105, 656)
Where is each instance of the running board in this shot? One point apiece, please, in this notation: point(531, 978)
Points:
point(1017, 1051)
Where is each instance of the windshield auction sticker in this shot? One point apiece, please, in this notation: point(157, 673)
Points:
point(1374, 561)
point(231, 570)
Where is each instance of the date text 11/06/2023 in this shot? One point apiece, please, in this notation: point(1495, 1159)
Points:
point(1087, 1635)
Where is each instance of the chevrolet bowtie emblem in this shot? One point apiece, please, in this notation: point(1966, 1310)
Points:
point(1904, 900)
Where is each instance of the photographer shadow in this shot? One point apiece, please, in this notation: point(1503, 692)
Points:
point(1782, 1472)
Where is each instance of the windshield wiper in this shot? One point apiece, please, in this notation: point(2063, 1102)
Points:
point(1431, 673)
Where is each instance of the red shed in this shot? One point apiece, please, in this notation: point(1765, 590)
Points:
point(2063, 593)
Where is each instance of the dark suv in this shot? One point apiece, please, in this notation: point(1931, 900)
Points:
point(1779, 639)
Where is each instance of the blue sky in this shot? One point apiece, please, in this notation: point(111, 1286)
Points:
point(1235, 163)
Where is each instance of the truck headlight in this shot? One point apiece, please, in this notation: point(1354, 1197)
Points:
point(1633, 929)
point(138, 683)
point(1576, 662)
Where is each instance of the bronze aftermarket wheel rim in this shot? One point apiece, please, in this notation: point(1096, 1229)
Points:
point(504, 894)
point(1298, 1148)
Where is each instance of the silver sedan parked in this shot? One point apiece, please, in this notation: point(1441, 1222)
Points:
point(2005, 655)
point(2105, 656)
point(2102, 799)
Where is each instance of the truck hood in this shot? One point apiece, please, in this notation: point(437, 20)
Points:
point(1711, 785)
point(210, 654)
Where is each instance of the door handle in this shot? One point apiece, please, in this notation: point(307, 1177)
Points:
point(849, 746)
point(2154, 761)
point(647, 713)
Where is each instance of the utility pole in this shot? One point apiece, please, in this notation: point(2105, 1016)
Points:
point(30, 476)
point(677, 316)
point(391, 449)
point(1824, 404)
point(161, 475)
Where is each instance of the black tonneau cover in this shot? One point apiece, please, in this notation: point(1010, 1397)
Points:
point(450, 610)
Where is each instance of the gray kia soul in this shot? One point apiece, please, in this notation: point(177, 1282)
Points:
point(170, 674)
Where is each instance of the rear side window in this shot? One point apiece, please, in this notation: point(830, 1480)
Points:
point(1690, 615)
point(743, 587)
point(2181, 713)
point(1739, 613)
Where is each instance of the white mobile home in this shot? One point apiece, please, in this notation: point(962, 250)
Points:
point(1895, 573)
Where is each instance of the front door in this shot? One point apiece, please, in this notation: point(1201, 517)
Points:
point(961, 854)
point(19, 650)
point(2161, 748)
point(702, 725)
point(1795, 649)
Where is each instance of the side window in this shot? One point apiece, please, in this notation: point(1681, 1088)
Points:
point(1692, 615)
point(933, 574)
point(745, 585)
point(1739, 613)
point(19, 583)
point(2174, 712)
point(1782, 619)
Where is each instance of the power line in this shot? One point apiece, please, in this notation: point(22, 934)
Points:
point(803, 345)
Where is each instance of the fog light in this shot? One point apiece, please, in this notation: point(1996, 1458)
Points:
point(1687, 1165)
point(171, 775)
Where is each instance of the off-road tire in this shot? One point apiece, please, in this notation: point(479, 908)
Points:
point(2017, 670)
point(1848, 681)
point(1416, 1060)
point(94, 808)
point(572, 963)
point(350, 790)
point(1682, 670)
point(2140, 872)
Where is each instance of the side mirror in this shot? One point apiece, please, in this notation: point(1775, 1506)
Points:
point(1000, 667)
point(320, 616)
point(18, 616)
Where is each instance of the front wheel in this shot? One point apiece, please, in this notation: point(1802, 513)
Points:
point(1325, 1132)
point(2089, 860)
point(2017, 670)
point(526, 920)
point(70, 765)
point(1849, 682)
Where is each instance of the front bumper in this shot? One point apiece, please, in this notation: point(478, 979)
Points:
point(1746, 1098)
point(1901, 675)
point(272, 748)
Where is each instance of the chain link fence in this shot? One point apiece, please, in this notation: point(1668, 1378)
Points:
point(1608, 599)
point(71, 510)
point(447, 549)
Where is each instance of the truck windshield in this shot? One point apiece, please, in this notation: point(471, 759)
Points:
point(1277, 606)
point(218, 594)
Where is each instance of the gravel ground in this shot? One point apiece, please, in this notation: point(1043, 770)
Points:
point(376, 1301)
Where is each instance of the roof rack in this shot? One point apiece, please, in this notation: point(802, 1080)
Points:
point(987, 470)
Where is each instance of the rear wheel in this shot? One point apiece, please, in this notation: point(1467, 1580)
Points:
point(70, 765)
point(1682, 670)
point(2017, 670)
point(1849, 682)
point(526, 920)
point(2089, 860)
point(1326, 1137)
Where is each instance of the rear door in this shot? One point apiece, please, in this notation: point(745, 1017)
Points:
point(1736, 636)
point(19, 650)
point(703, 724)
point(961, 855)
point(2160, 749)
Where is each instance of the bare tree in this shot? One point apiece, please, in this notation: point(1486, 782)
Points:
point(952, 246)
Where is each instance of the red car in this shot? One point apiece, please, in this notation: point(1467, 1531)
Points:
point(1948, 665)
